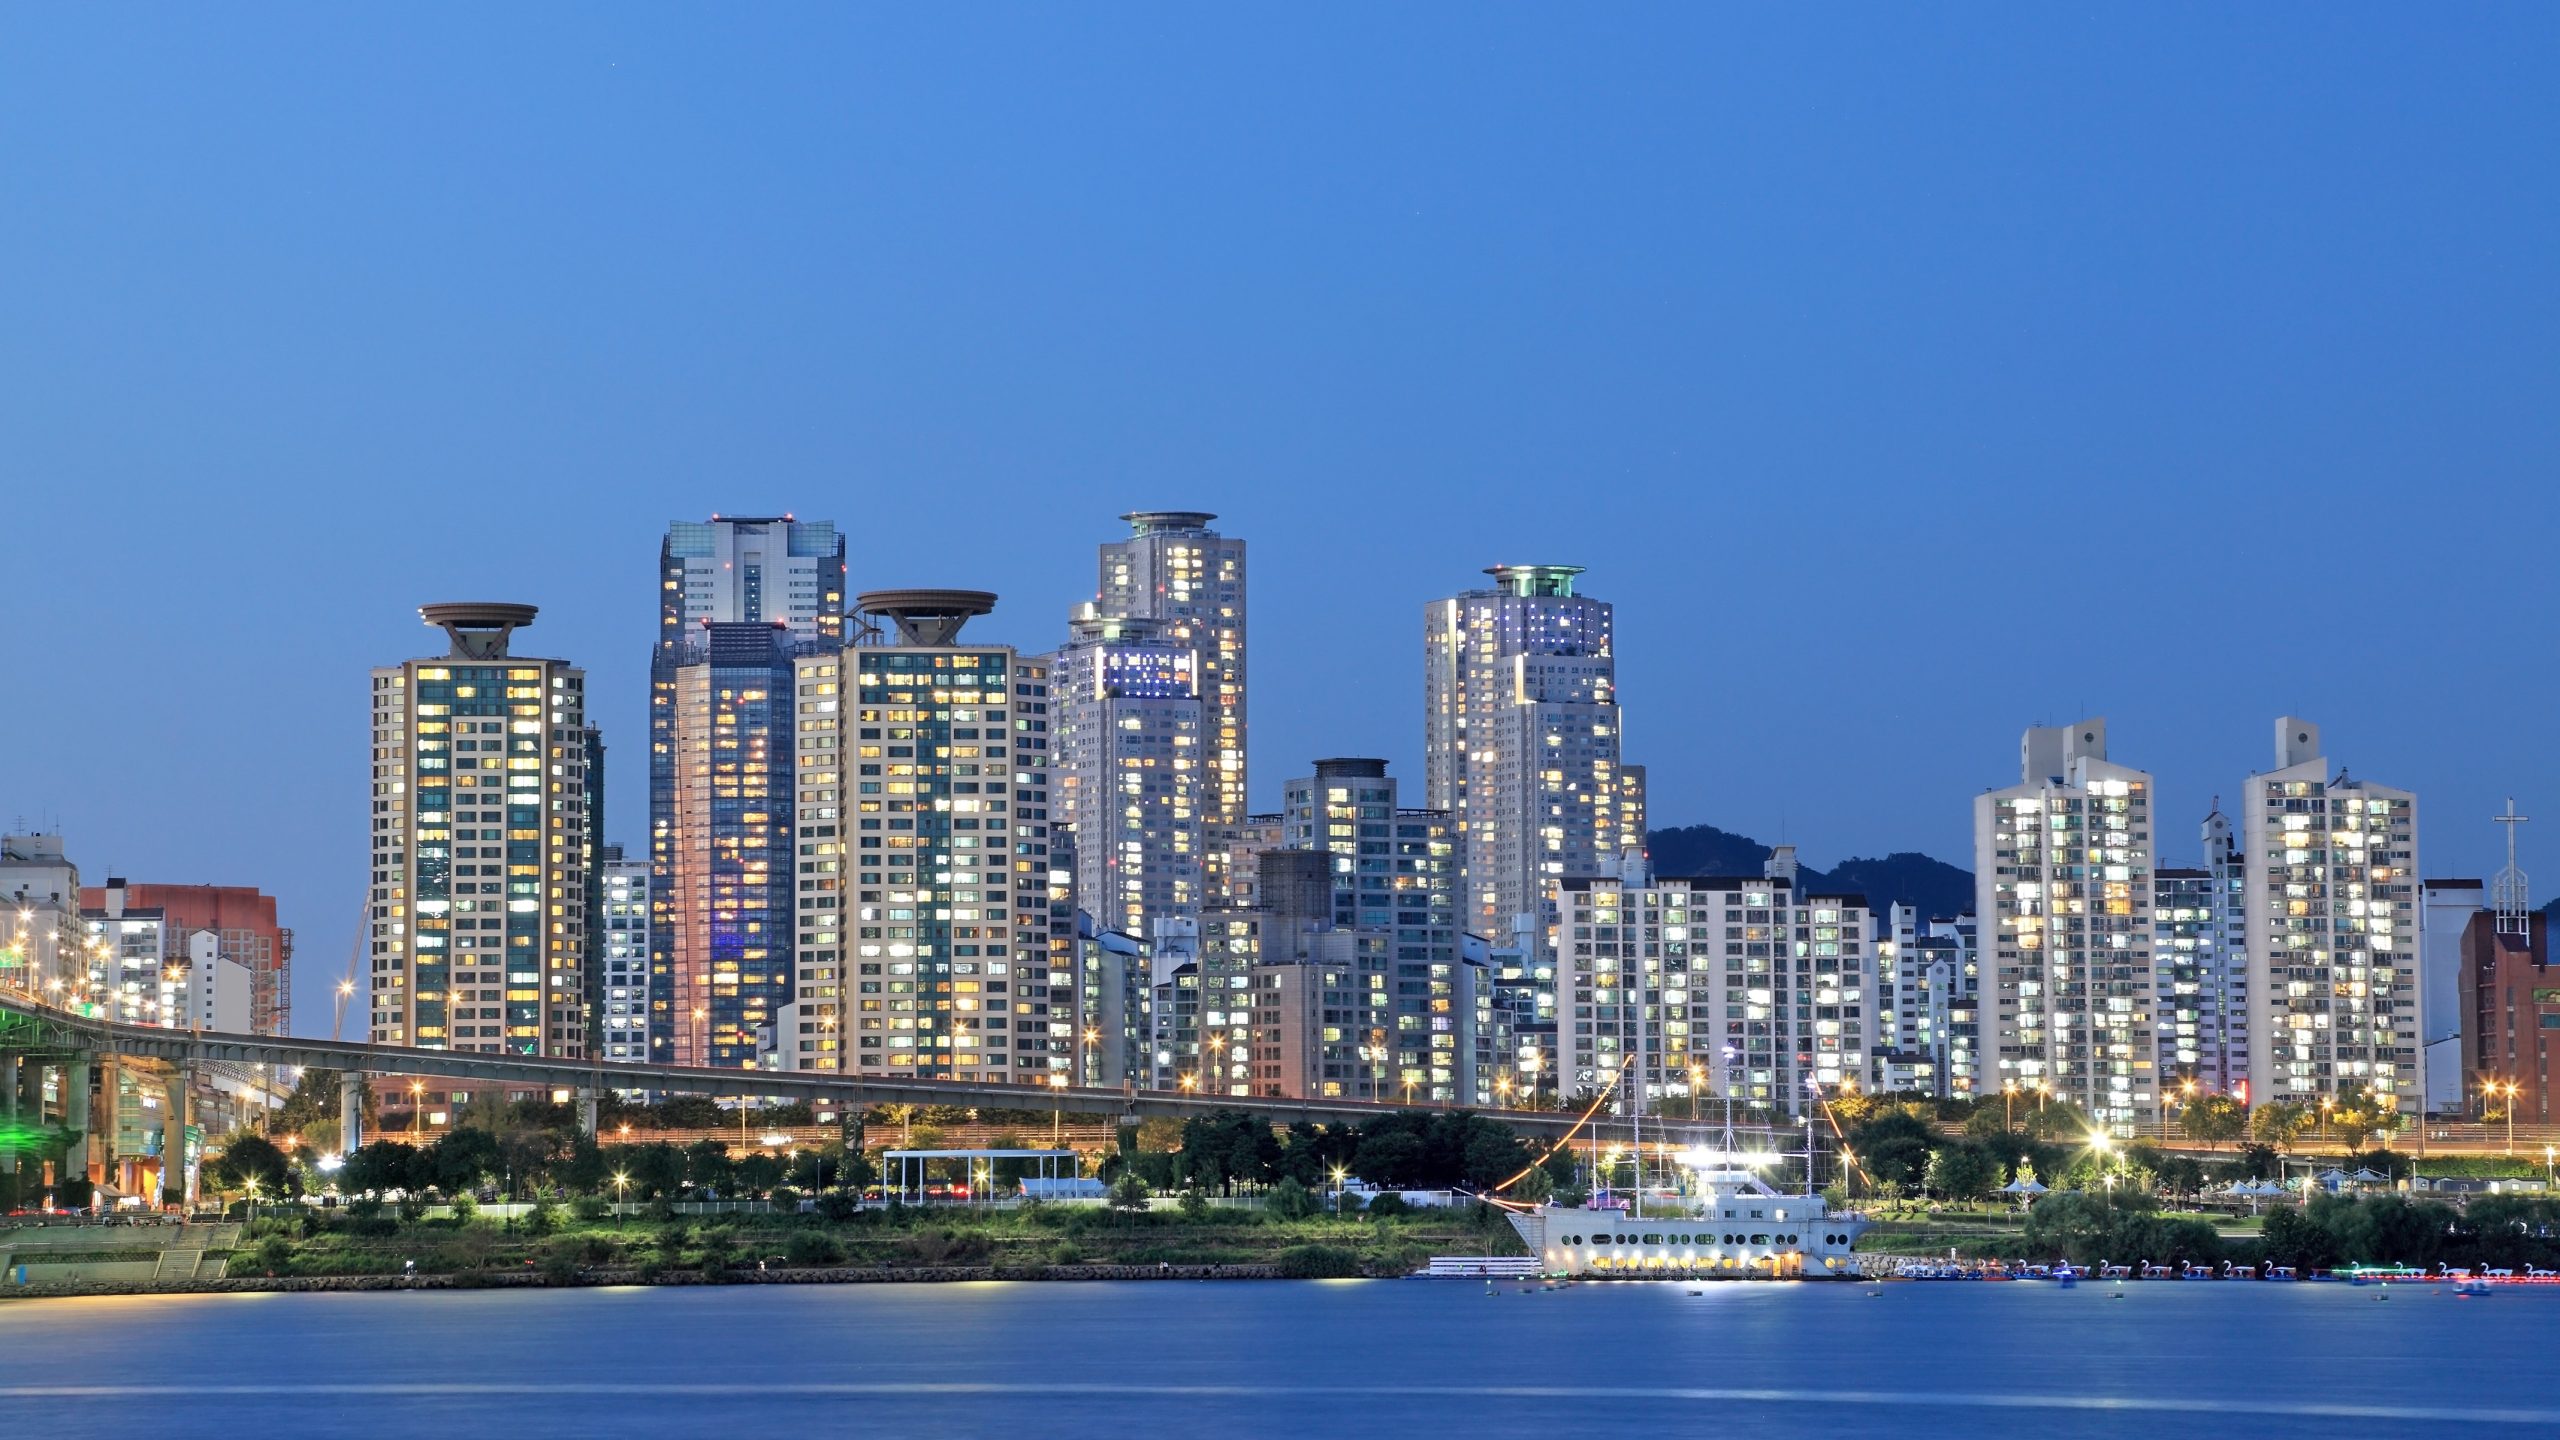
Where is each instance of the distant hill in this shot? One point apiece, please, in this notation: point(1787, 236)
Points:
point(1932, 885)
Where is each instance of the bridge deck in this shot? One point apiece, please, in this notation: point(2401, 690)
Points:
point(27, 1024)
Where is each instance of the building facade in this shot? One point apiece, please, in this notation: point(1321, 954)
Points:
point(1174, 570)
point(741, 601)
point(1129, 770)
point(2513, 1012)
point(2063, 866)
point(623, 920)
point(951, 957)
point(148, 927)
point(723, 838)
point(2444, 919)
point(1681, 991)
point(1925, 1025)
point(482, 835)
point(2333, 929)
point(1521, 744)
point(44, 942)
point(1394, 871)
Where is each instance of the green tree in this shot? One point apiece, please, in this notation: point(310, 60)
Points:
point(1289, 1200)
point(1535, 1188)
point(1388, 1157)
point(2361, 1112)
point(1963, 1172)
point(2215, 1118)
point(1892, 1149)
point(707, 1166)
point(1129, 1192)
point(252, 1158)
point(463, 1157)
point(2279, 1123)
point(759, 1173)
point(582, 1170)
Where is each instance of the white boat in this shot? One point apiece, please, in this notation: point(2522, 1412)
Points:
point(1726, 1223)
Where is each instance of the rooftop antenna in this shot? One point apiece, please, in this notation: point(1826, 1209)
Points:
point(2509, 895)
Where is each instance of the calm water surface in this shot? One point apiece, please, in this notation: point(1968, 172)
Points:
point(1370, 1357)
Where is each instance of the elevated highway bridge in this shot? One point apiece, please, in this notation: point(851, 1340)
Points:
point(31, 1028)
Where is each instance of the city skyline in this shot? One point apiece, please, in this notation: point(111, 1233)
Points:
point(1830, 348)
point(619, 698)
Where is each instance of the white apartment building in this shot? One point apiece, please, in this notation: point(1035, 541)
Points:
point(623, 986)
point(1175, 570)
point(1129, 772)
point(44, 943)
point(1521, 745)
point(1698, 989)
point(1925, 990)
point(2063, 886)
point(482, 841)
point(2332, 873)
point(2200, 960)
point(950, 959)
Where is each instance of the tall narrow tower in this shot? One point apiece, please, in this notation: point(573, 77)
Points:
point(1175, 570)
point(741, 601)
point(1521, 744)
point(2333, 929)
point(2064, 887)
point(482, 835)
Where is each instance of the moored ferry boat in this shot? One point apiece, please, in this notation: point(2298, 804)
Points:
point(1728, 1225)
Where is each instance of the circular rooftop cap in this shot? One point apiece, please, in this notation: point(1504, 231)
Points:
point(477, 614)
point(926, 617)
point(477, 628)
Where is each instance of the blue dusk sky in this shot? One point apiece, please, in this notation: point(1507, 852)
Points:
point(1906, 374)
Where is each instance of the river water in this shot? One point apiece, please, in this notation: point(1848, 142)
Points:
point(1390, 1358)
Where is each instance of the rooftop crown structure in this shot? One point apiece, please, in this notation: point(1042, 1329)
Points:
point(477, 628)
point(926, 617)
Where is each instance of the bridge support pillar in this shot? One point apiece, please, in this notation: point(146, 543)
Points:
point(587, 1112)
point(9, 1083)
point(78, 1118)
point(350, 1111)
point(173, 1138)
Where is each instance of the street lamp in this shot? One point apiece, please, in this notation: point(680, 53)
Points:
point(2008, 1105)
point(417, 1111)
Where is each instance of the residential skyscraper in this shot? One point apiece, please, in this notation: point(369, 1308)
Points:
point(950, 971)
point(742, 602)
point(1394, 871)
point(1175, 570)
point(751, 570)
point(723, 857)
point(624, 920)
point(2333, 929)
point(1129, 772)
point(2062, 877)
point(2199, 959)
point(1521, 741)
point(481, 839)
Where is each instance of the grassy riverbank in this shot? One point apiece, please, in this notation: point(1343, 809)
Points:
point(881, 1242)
